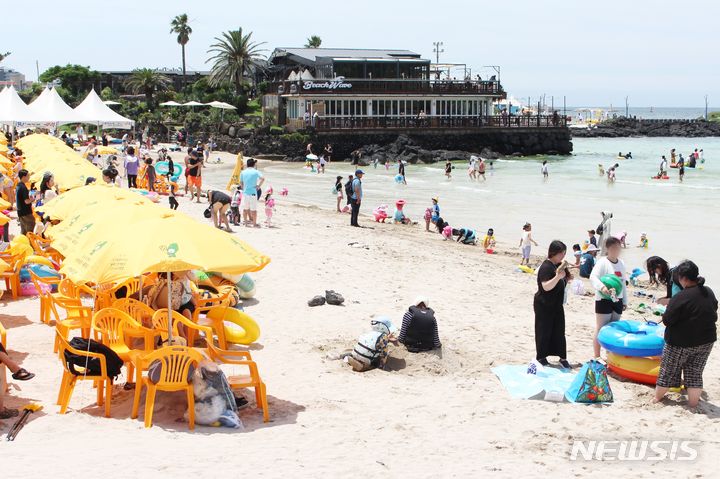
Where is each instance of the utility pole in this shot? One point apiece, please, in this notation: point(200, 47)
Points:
point(706, 107)
point(627, 108)
point(437, 50)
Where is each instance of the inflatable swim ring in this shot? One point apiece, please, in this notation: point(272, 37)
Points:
point(28, 289)
point(162, 170)
point(642, 370)
point(40, 270)
point(380, 213)
point(35, 259)
point(238, 327)
point(660, 177)
point(526, 269)
point(632, 338)
point(612, 282)
point(398, 178)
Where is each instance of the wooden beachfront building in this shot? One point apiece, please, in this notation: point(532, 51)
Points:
point(336, 89)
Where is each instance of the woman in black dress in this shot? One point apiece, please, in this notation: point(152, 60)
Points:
point(552, 276)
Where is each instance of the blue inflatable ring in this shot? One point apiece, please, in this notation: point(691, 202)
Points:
point(633, 338)
point(162, 169)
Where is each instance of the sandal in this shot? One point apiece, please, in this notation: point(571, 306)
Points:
point(22, 375)
point(6, 413)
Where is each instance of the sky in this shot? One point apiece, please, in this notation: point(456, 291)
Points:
point(656, 53)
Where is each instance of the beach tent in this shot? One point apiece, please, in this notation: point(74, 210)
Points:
point(111, 102)
point(50, 108)
point(92, 110)
point(293, 76)
point(306, 75)
point(14, 111)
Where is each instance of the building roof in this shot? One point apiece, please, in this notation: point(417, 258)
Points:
point(312, 54)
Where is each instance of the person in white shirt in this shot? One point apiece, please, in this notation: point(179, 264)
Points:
point(609, 305)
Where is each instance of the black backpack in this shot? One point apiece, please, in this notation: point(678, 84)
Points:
point(349, 189)
point(600, 228)
point(92, 365)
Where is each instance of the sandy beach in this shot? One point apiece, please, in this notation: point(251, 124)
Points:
point(432, 415)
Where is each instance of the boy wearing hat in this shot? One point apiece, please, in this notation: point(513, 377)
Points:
point(587, 261)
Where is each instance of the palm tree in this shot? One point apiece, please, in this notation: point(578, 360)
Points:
point(313, 42)
point(3, 56)
point(179, 25)
point(235, 55)
point(147, 81)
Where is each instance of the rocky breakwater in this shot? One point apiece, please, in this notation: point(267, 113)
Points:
point(629, 127)
point(418, 146)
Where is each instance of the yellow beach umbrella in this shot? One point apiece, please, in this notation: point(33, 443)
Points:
point(3, 139)
point(4, 204)
point(72, 202)
point(172, 242)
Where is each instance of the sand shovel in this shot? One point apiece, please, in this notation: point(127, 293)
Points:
point(20, 423)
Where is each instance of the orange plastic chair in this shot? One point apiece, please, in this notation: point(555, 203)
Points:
point(4, 386)
point(43, 247)
point(250, 380)
point(175, 362)
point(111, 325)
point(103, 382)
point(76, 316)
point(43, 294)
point(160, 325)
point(139, 311)
point(12, 277)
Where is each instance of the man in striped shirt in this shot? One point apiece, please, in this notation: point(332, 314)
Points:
point(419, 331)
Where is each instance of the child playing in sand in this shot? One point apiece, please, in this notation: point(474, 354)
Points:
point(644, 242)
point(235, 206)
point(465, 235)
point(399, 215)
point(372, 348)
point(526, 242)
point(577, 252)
point(489, 240)
point(269, 207)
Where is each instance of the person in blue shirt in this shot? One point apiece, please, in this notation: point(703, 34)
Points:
point(435, 211)
point(356, 197)
point(587, 261)
point(250, 180)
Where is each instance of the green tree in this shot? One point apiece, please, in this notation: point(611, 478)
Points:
point(76, 79)
point(234, 56)
point(179, 25)
point(147, 81)
point(313, 42)
point(3, 56)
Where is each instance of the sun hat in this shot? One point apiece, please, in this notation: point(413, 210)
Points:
point(434, 198)
point(421, 299)
point(383, 324)
point(592, 248)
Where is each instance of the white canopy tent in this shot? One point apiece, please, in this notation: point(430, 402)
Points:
point(92, 110)
point(50, 108)
point(14, 111)
point(170, 103)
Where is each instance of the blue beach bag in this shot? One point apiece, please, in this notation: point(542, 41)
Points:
point(591, 384)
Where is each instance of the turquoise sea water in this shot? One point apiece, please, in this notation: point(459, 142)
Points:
point(681, 220)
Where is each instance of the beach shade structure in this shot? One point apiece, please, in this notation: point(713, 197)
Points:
point(171, 242)
point(45, 153)
point(112, 103)
point(51, 108)
point(72, 202)
point(92, 110)
point(13, 111)
point(223, 106)
point(193, 103)
point(170, 103)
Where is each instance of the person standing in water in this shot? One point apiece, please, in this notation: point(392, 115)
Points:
point(552, 277)
point(481, 169)
point(544, 170)
point(663, 167)
point(401, 171)
point(611, 172)
point(448, 169)
point(681, 168)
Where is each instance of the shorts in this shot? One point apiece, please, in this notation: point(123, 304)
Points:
point(606, 306)
point(194, 181)
point(249, 203)
point(526, 252)
point(190, 306)
point(27, 224)
point(683, 365)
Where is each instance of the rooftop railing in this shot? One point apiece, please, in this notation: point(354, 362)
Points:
point(391, 86)
point(326, 123)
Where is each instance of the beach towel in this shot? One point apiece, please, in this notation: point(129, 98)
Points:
point(522, 385)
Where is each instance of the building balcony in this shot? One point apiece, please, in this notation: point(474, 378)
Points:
point(404, 122)
point(351, 86)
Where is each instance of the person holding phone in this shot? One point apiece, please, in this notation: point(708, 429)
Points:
point(552, 277)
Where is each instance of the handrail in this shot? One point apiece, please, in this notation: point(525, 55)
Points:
point(391, 85)
point(324, 123)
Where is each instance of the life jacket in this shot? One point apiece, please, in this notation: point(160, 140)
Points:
point(421, 330)
point(368, 348)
